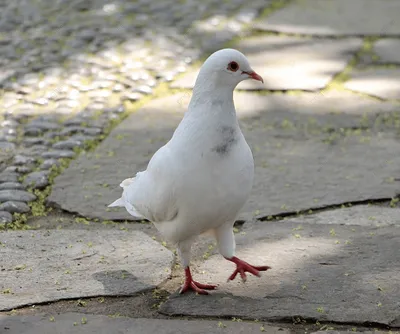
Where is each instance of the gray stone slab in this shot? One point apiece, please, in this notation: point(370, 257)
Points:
point(335, 17)
point(289, 63)
point(379, 82)
point(343, 274)
point(43, 266)
point(295, 169)
point(305, 174)
point(71, 323)
point(363, 215)
point(388, 50)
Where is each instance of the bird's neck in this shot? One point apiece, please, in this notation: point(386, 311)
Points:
point(208, 89)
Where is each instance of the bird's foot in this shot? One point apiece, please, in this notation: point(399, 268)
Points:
point(197, 287)
point(242, 267)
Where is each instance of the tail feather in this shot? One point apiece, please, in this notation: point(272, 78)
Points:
point(127, 182)
point(119, 202)
point(123, 202)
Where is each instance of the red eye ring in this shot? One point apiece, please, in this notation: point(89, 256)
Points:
point(233, 66)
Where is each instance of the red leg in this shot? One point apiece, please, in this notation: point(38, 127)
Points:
point(190, 284)
point(242, 267)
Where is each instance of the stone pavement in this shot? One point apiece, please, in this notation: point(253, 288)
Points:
point(72, 323)
point(324, 130)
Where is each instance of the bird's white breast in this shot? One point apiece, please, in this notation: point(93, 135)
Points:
point(214, 169)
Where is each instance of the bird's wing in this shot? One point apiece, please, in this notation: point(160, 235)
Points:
point(150, 194)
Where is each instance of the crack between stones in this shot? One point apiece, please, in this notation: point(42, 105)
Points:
point(77, 298)
point(310, 320)
point(306, 212)
point(273, 217)
point(95, 219)
point(259, 31)
point(295, 320)
point(83, 257)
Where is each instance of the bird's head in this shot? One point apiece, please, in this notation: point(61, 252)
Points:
point(228, 67)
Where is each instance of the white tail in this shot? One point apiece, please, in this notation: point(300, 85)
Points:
point(118, 202)
point(123, 202)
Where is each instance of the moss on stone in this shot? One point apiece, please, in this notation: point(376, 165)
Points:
point(337, 83)
point(273, 7)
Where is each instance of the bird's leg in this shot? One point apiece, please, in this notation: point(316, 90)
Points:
point(197, 287)
point(242, 267)
point(226, 244)
point(184, 248)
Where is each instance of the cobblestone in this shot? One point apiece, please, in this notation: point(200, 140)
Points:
point(11, 185)
point(37, 180)
point(67, 144)
point(9, 177)
point(5, 217)
point(49, 163)
point(16, 195)
point(58, 154)
point(21, 160)
point(19, 169)
point(7, 146)
point(14, 206)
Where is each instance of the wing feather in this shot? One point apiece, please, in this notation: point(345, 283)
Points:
point(150, 194)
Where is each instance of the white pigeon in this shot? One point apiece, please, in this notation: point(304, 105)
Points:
point(200, 179)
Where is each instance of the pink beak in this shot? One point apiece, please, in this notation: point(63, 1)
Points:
point(254, 76)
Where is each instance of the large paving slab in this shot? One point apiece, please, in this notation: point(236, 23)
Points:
point(388, 50)
point(323, 272)
point(71, 323)
point(289, 63)
point(295, 169)
point(379, 82)
point(44, 266)
point(335, 17)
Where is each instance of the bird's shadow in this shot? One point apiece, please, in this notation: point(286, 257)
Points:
point(120, 282)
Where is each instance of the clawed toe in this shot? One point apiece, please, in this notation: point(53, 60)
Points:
point(197, 287)
point(242, 267)
point(205, 286)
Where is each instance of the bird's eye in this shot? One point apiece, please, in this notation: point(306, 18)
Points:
point(233, 66)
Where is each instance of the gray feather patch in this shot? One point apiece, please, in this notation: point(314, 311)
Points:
point(228, 139)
